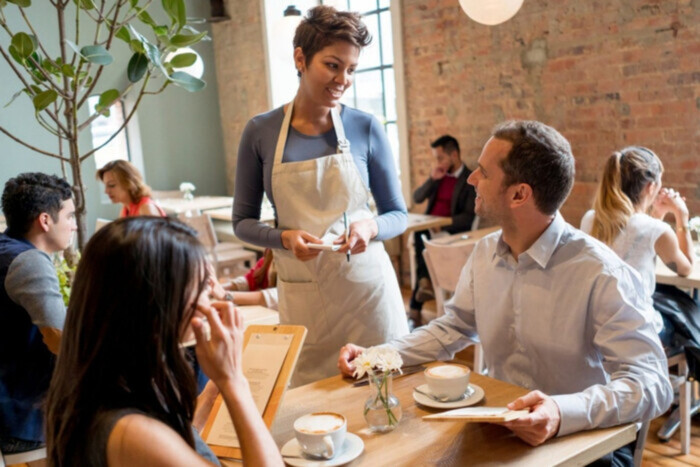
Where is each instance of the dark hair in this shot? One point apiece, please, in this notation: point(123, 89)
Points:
point(448, 144)
point(129, 177)
point(324, 26)
point(627, 173)
point(542, 158)
point(130, 301)
point(28, 195)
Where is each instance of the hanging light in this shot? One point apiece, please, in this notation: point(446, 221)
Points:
point(284, 32)
point(490, 12)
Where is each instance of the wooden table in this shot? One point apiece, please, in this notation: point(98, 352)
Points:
point(198, 203)
point(420, 442)
point(665, 276)
point(257, 314)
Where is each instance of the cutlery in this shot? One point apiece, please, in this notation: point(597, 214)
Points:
point(468, 393)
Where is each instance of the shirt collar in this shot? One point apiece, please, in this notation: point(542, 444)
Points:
point(542, 250)
point(457, 173)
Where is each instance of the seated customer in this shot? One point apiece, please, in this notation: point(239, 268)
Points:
point(448, 195)
point(123, 393)
point(631, 187)
point(124, 184)
point(555, 310)
point(257, 287)
point(40, 221)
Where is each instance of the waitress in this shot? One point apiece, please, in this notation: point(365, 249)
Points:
point(317, 161)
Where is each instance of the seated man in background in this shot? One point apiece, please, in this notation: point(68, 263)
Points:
point(448, 195)
point(40, 217)
point(555, 310)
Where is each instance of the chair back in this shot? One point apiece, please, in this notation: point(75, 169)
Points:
point(204, 227)
point(445, 263)
point(22, 457)
point(100, 222)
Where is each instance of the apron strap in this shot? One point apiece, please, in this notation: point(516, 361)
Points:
point(343, 143)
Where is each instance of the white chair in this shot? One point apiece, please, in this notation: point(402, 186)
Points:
point(639, 445)
point(22, 457)
point(682, 415)
point(100, 222)
point(445, 263)
point(224, 255)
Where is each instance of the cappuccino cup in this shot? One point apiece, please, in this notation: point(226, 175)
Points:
point(447, 381)
point(321, 434)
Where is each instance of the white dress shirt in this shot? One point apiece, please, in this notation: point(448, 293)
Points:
point(568, 318)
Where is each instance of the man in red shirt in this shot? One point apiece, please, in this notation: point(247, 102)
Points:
point(448, 194)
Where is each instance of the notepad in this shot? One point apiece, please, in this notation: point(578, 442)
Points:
point(479, 414)
point(323, 246)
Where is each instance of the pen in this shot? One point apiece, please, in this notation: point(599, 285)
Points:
point(345, 221)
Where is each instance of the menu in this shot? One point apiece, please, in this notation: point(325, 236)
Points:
point(263, 357)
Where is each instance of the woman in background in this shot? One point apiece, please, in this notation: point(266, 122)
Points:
point(318, 161)
point(124, 184)
point(631, 188)
point(123, 393)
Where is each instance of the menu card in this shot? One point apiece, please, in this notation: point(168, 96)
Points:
point(262, 361)
point(479, 414)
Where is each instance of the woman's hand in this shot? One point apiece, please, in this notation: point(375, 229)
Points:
point(221, 356)
point(361, 233)
point(296, 242)
point(669, 200)
point(216, 290)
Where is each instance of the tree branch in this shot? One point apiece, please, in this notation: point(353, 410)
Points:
point(50, 154)
point(36, 36)
point(126, 121)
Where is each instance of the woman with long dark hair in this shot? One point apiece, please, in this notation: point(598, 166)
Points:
point(123, 393)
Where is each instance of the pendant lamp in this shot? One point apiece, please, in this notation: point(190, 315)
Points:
point(490, 12)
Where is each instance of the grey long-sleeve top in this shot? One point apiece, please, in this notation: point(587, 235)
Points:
point(371, 153)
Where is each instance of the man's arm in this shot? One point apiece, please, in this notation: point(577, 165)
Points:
point(422, 193)
point(32, 283)
point(463, 217)
point(639, 388)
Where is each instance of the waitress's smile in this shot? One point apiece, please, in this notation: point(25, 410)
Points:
point(329, 73)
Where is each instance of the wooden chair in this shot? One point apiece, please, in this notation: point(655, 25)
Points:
point(100, 222)
point(224, 255)
point(445, 263)
point(22, 457)
point(680, 417)
point(641, 442)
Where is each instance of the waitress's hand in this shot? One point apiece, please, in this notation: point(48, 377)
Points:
point(361, 232)
point(296, 240)
point(221, 356)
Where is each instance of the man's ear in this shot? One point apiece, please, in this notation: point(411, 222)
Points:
point(44, 221)
point(521, 194)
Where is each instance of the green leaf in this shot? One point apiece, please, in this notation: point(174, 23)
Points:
point(138, 64)
point(107, 98)
point(183, 60)
point(36, 89)
point(177, 12)
point(136, 46)
point(21, 3)
point(75, 48)
point(184, 40)
point(15, 54)
point(44, 99)
point(123, 34)
point(160, 30)
point(24, 44)
point(134, 3)
point(146, 18)
point(85, 4)
point(186, 81)
point(68, 71)
point(150, 50)
point(96, 54)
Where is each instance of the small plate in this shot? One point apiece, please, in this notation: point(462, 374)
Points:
point(352, 447)
point(467, 401)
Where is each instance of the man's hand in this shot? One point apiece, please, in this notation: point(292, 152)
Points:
point(437, 172)
point(541, 424)
point(347, 355)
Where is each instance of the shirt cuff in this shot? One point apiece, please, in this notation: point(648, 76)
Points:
point(573, 412)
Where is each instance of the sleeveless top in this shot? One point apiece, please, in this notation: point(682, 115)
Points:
point(95, 453)
point(132, 210)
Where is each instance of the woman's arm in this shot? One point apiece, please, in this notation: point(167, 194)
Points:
point(674, 249)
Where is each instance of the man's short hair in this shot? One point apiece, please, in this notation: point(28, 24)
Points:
point(448, 144)
point(540, 157)
point(28, 195)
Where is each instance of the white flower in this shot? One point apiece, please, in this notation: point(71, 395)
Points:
point(187, 187)
point(694, 224)
point(384, 359)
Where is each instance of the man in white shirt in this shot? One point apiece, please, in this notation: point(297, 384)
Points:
point(555, 310)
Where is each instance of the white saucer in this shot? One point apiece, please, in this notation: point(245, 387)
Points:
point(352, 447)
point(467, 401)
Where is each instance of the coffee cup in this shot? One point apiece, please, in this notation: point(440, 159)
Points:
point(321, 434)
point(447, 382)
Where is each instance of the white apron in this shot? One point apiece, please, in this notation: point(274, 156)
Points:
point(338, 301)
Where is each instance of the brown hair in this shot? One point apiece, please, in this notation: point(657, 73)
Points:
point(129, 177)
point(324, 26)
point(627, 173)
point(540, 157)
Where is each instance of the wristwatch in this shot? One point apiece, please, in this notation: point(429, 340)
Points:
point(228, 296)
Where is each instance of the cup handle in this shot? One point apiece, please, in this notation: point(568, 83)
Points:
point(330, 449)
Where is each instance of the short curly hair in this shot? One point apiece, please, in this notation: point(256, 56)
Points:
point(324, 26)
point(28, 195)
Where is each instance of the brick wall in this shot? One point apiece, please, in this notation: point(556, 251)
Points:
point(240, 74)
point(605, 73)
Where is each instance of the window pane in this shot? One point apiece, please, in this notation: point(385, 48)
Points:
point(392, 132)
point(369, 58)
point(368, 88)
point(363, 6)
point(102, 128)
point(389, 94)
point(384, 3)
point(387, 38)
point(349, 97)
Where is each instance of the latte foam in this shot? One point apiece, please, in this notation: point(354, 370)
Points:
point(319, 423)
point(448, 371)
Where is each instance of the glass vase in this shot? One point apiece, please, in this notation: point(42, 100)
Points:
point(382, 408)
point(189, 196)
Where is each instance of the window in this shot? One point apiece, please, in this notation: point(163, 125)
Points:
point(105, 126)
